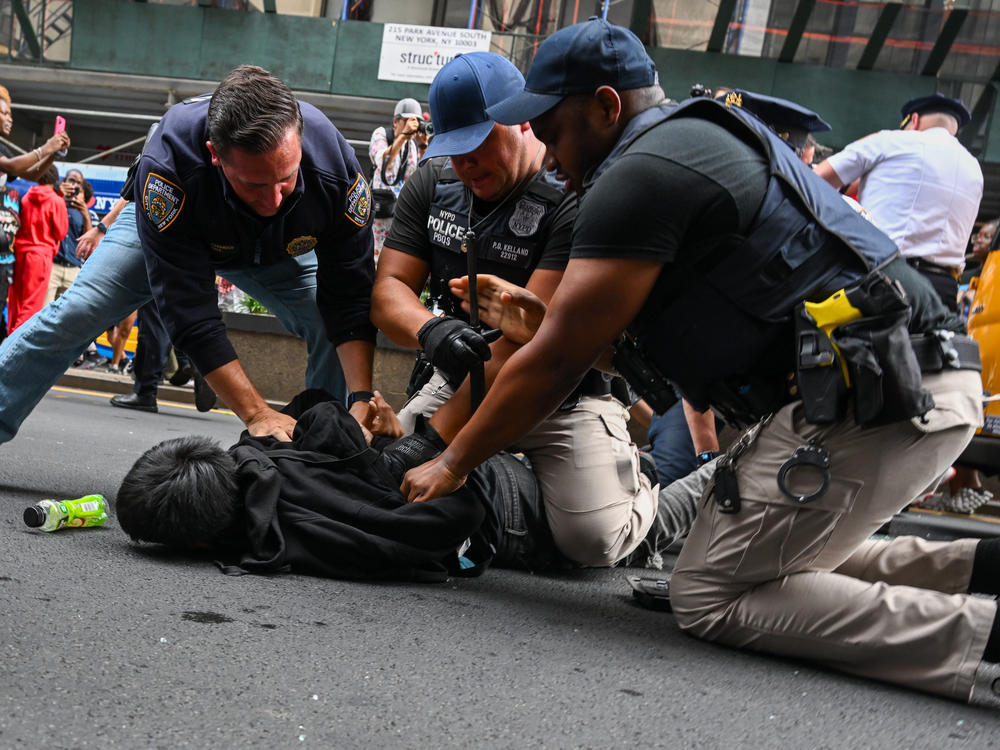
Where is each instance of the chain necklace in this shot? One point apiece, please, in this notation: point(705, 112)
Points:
point(470, 234)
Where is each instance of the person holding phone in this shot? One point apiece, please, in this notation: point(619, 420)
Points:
point(36, 162)
point(76, 193)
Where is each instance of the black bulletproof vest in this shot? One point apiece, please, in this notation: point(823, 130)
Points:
point(508, 244)
point(721, 315)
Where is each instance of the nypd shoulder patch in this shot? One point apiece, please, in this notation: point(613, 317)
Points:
point(359, 202)
point(162, 200)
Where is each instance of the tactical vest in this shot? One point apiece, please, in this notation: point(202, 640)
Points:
point(719, 320)
point(508, 244)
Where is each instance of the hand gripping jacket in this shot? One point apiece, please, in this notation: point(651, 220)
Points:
point(805, 243)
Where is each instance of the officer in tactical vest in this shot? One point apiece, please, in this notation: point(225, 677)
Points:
point(706, 252)
point(493, 197)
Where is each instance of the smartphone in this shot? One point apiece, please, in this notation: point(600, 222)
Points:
point(651, 593)
point(60, 127)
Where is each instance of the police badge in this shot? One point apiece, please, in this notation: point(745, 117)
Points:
point(526, 217)
point(300, 245)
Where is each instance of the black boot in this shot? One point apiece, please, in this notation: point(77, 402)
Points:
point(182, 376)
point(142, 402)
point(204, 396)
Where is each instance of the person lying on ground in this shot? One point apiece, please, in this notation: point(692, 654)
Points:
point(328, 503)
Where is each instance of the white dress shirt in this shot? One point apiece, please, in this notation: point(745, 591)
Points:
point(922, 188)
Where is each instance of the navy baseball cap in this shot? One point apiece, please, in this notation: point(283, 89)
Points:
point(459, 96)
point(578, 59)
point(792, 122)
point(923, 105)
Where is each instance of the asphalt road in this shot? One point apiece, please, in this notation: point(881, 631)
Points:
point(105, 644)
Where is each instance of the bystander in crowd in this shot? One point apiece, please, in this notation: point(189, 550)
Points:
point(44, 223)
point(392, 164)
point(77, 193)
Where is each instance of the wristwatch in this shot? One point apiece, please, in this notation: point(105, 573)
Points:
point(101, 227)
point(358, 396)
point(705, 456)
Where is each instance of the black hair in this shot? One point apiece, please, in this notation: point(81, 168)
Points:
point(50, 176)
point(182, 493)
point(88, 191)
point(251, 110)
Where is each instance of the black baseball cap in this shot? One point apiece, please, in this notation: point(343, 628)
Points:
point(578, 59)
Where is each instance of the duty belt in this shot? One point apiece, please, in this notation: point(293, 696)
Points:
point(942, 350)
point(749, 402)
point(927, 266)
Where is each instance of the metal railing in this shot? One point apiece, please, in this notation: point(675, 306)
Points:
point(36, 30)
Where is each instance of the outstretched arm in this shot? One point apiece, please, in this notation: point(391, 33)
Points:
point(35, 163)
point(596, 299)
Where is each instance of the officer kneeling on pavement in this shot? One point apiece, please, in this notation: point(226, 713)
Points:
point(699, 225)
point(494, 197)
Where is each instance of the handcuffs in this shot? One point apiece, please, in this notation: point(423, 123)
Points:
point(813, 455)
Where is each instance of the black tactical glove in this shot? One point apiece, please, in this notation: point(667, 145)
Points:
point(411, 450)
point(453, 347)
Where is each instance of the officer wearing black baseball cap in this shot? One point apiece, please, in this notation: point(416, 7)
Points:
point(700, 226)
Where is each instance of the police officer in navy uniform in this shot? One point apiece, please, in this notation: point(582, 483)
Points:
point(791, 122)
point(250, 178)
point(493, 197)
point(252, 184)
point(706, 252)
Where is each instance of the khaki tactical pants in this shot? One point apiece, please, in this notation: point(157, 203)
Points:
point(598, 505)
point(804, 580)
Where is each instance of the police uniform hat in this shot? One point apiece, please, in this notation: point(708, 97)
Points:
point(578, 59)
point(459, 96)
point(934, 103)
point(792, 122)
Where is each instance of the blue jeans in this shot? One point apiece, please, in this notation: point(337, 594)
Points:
point(671, 446)
point(113, 283)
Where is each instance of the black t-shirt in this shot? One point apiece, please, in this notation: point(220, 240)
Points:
point(693, 183)
point(680, 185)
point(7, 154)
point(408, 232)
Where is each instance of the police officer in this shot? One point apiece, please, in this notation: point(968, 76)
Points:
point(729, 235)
point(921, 186)
point(791, 122)
point(494, 197)
point(253, 184)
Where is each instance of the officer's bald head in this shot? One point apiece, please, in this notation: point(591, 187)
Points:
point(251, 110)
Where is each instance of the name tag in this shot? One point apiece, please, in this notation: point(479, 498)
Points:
point(509, 252)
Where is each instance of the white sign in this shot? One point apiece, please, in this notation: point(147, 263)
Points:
point(416, 53)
